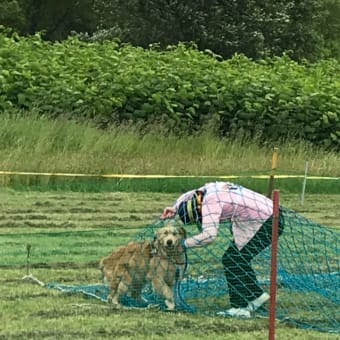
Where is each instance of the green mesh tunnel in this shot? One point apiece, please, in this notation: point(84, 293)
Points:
point(308, 278)
point(308, 274)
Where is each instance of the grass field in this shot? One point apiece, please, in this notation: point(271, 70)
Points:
point(69, 232)
point(70, 222)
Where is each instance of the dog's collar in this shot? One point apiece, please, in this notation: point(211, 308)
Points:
point(153, 251)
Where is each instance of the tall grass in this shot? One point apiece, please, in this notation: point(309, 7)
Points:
point(36, 144)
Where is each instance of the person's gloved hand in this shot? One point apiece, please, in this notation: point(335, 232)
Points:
point(168, 212)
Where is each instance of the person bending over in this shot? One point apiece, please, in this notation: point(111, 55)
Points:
point(250, 214)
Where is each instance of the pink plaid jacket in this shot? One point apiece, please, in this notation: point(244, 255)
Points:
point(247, 210)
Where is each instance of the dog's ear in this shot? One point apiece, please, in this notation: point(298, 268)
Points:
point(149, 249)
point(182, 232)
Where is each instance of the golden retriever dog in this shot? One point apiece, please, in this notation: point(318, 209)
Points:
point(160, 262)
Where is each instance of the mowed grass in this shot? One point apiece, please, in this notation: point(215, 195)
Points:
point(68, 233)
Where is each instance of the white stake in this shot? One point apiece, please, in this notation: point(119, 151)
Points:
point(304, 184)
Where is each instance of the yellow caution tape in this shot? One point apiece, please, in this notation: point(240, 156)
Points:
point(25, 173)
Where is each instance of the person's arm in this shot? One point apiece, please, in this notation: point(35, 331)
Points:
point(211, 214)
point(170, 212)
point(207, 236)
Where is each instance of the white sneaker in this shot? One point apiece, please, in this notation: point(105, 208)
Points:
point(235, 312)
point(257, 303)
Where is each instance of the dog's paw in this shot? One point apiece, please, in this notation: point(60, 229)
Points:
point(170, 305)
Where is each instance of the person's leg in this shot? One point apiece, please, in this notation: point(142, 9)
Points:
point(242, 283)
point(261, 240)
point(240, 277)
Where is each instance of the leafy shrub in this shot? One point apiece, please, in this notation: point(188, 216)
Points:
point(183, 88)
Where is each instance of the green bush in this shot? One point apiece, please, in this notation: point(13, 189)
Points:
point(182, 88)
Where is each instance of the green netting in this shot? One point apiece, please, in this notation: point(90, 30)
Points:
point(308, 275)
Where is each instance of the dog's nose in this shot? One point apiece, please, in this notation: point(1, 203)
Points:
point(169, 242)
